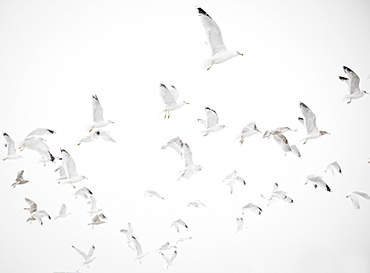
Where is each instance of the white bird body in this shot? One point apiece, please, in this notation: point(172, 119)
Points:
point(190, 167)
point(253, 208)
point(93, 208)
point(177, 224)
point(353, 196)
point(211, 123)
point(12, 154)
point(249, 130)
point(170, 99)
point(317, 181)
point(84, 192)
point(99, 121)
point(233, 179)
point(220, 53)
point(353, 83)
point(34, 142)
point(139, 252)
point(38, 215)
point(278, 195)
point(309, 122)
point(166, 246)
point(88, 257)
point(70, 168)
point(63, 212)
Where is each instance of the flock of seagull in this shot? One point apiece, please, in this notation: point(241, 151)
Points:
point(68, 174)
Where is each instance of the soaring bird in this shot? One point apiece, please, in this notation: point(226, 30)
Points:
point(253, 208)
point(99, 121)
point(211, 123)
point(88, 257)
point(170, 99)
point(334, 166)
point(175, 143)
point(249, 130)
point(279, 130)
point(178, 223)
point(190, 167)
point(220, 53)
point(20, 180)
point(70, 168)
point(309, 123)
point(170, 260)
point(12, 154)
point(317, 181)
point(283, 143)
point(63, 212)
point(353, 83)
point(353, 196)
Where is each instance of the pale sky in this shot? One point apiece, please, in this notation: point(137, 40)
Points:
point(55, 54)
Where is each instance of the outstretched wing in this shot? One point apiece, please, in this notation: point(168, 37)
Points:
point(309, 119)
point(81, 252)
point(97, 109)
point(188, 156)
point(69, 163)
point(166, 95)
point(354, 80)
point(212, 117)
point(10, 144)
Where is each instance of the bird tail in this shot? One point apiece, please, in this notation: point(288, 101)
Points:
point(346, 97)
point(207, 63)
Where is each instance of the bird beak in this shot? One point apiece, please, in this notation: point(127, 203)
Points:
point(239, 53)
point(187, 103)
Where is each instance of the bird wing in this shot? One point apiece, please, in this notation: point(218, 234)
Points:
point(20, 176)
point(188, 156)
point(250, 127)
point(40, 132)
point(166, 95)
point(362, 194)
point(282, 141)
point(213, 32)
point(175, 143)
point(63, 209)
point(81, 253)
point(137, 246)
point(33, 206)
point(91, 251)
point(354, 200)
point(295, 150)
point(309, 119)
point(106, 136)
point(69, 164)
point(212, 117)
point(174, 92)
point(354, 80)
point(9, 144)
point(97, 109)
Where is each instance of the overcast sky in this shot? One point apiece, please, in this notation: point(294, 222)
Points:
point(55, 54)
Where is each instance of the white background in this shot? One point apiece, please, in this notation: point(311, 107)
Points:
point(55, 54)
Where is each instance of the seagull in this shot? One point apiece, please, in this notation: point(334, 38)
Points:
point(334, 167)
point(33, 205)
point(169, 261)
point(166, 246)
point(60, 169)
point(248, 130)
point(139, 252)
point(317, 181)
point(283, 143)
point(175, 143)
point(220, 53)
point(129, 234)
point(170, 97)
point(234, 181)
point(89, 257)
point(196, 204)
point(70, 167)
point(93, 208)
point(278, 195)
point(84, 192)
point(152, 193)
point(190, 167)
point(239, 224)
point(38, 215)
point(183, 239)
point(211, 123)
point(309, 122)
point(280, 130)
point(63, 212)
point(230, 176)
point(253, 208)
point(20, 180)
point(178, 223)
point(97, 220)
point(11, 148)
point(353, 196)
point(353, 82)
point(98, 114)
point(97, 134)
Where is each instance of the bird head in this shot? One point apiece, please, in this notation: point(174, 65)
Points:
point(324, 133)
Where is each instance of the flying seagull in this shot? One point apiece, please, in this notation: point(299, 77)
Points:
point(175, 143)
point(353, 196)
point(177, 224)
point(279, 130)
point(20, 180)
point(253, 208)
point(170, 260)
point(139, 252)
point(84, 192)
point(249, 130)
point(220, 53)
point(95, 135)
point(170, 99)
point(317, 181)
point(99, 121)
point(70, 167)
point(239, 224)
point(190, 167)
point(283, 143)
point(309, 123)
point(278, 195)
point(353, 83)
point(196, 204)
point(211, 123)
point(89, 257)
point(334, 167)
point(152, 193)
point(63, 212)
point(38, 215)
point(97, 220)
point(12, 154)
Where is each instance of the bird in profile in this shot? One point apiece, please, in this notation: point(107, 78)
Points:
point(152, 193)
point(93, 207)
point(97, 220)
point(253, 208)
point(278, 195)
point(99, 121)
point(88, 257)
point(83, 192)
point(334, 167)
point(176, 144)
point(353, 196)
point(196, 204)
point(169, 260)
point(12, 154)
point(70, 168)
point(279, 130)
point(211, 123)
point(220, 53)
point(38, 215)
point(32, 205)
point(284, 144)
point(20, 180)
point(170, 99)
point(139, 252)
point(178, 223)
point(249, 130)
point(190, 167)
point(62, 212)
point(317, 181)
point(239, 224)
point(353, 83)
point(309, 122)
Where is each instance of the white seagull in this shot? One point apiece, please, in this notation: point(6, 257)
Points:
point(211, 123)
point(175, 143)
point(12, 154)
point(33, 206)
point(38, 215)
point(170, 260)
point(99, 121)
point(278, 195)
point(70, 167)
point(139, 252)
point(253, 208)
point(220, 53)
point(177, 224)
point(239, 224)
point(170, 97)
point(249, 130)
point(166, 246)
point(309, 123)
point(190, 167)
point(317, 181)
point(152, 193)
point(284, 144)
point(129, 232)
point(89, 257)
point(95, 135)
point(233, 179)
point(63, 212)
point(93, 208)
point(84, 192)
point(97, 220)
point(196, 204)
point(20, 180)
point(353, 82)
point(334, 167)
point(353, 196)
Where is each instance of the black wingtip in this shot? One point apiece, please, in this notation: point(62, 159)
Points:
point(51, 131)
point(5, 134)
point(62, 150)
point(343, 78)
point(201, 11)
point(95, 97)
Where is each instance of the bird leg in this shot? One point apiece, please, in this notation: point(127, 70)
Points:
point(349, 101)
point(209, 67)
